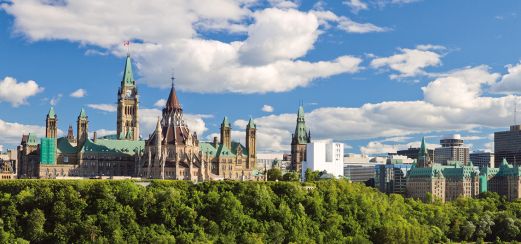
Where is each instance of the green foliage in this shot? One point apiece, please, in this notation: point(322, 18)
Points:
point(290, 176)
point(274, 174)
point(332, 211)
point(311, 175)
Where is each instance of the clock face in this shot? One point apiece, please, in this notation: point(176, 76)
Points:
point(129, 93)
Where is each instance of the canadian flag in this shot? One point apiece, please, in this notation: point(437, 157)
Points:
point(126, 43)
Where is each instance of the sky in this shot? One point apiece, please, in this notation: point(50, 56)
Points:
point(377, 75)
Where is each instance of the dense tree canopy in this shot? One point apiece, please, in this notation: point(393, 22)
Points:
point(332, 211)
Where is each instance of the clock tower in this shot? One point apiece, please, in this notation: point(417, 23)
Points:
point(128, 105)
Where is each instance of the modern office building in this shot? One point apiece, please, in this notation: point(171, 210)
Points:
point(507, 145)
point(392, 176)
point(324, 156)
point(358, 168)
point(452, 149)
point(482, 159)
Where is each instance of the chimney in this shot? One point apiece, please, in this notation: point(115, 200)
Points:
point(95, 136)
point(215, 141)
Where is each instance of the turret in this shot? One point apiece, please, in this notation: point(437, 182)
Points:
point(128, 105)
point(82, 129)
point(226, 131)
point(251, 129)
point(51, 124)
point(423, 156)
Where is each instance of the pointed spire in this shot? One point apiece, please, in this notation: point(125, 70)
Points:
point(173, 103)
point(301, 135)
point(83, 114)
point(158, 124)
point(251, 124)
point(51, 113)
point(128, 77)
point(225, 122)
point(300, 113)
point(504, 162)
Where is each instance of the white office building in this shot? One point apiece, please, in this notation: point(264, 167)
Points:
point(452, 149)
point(324, 156)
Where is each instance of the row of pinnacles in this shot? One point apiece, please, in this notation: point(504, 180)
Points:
point(172, 151)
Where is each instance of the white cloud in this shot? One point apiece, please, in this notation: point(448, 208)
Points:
point(160, 103)
point(1, 148)
point(376, 147)
point(410, 62)
point(17, 93)
point(460, 88)
point(396, 139)
point(356, 5)
point(267, 60)
point(267, 108)
point(103, 107)
point(283, 4)
point(510, 83)
point(351, 26)
point(55, 100)
point(461, 108)
point(79, 93)
point(11, 132)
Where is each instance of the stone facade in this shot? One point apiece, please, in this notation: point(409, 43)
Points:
point(505, 180)
point(299, 141)
point(174, 152)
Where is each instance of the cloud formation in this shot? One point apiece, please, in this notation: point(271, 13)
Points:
point(17, 93)
point(79, 93)
point(267, 108)
point(269, 59)
point(103, 107)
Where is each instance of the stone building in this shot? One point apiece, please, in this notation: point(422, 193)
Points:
point(174, 152)
point(299, 141)
point(116, 155)
point(443, 182)
point(504, 180)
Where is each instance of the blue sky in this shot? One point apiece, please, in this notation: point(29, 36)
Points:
point(375, 74)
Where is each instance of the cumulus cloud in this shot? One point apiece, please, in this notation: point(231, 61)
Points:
point(462, 107)
point(11, 132)
point(267, 108)
point(510, 83)
point(160, 103)
point(17, 93)
point(79, 93)
point(55, 100)
point(410, 62)
point(356, 5)
point(268, 59)
point(377, 147)
point(103, 107)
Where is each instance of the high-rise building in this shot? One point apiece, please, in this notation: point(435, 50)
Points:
point(392, 177)
point(452, 149)
point(299, 141)
point(482, 159)
point(507, 145)
point(324, 156)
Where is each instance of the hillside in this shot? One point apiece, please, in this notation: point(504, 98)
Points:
point(43, 211)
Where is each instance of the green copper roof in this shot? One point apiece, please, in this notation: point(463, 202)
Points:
point(221, 150)
point(301, 134)
point(65, 147)
point(128, 77)
point(251, 124)
point(435, 171)
point(423, 149)
point(83, 114)
point(113, 146)
point(225, 123)
point(51, 113)
point(32, 139)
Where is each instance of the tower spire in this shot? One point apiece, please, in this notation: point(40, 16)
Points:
point(173, 103)
point(128, 76)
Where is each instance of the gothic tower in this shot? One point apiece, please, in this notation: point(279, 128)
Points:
point(423, 156)
point(251, 144)
point(70, 135)
point(128, 102)
point(51, 124)
point(226, 131)
point(299, 140)
point(82, 128)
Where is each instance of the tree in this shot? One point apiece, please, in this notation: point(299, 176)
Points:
point(34, 225)
point(311, 175)
point(290, 176)
point(274, 174)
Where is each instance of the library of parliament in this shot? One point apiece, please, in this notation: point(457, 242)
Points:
point(172, 151)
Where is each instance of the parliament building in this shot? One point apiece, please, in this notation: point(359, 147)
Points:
point(171, 151)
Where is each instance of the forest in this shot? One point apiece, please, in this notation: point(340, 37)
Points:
point(328, 211)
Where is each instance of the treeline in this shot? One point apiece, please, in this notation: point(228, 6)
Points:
point(332, 211)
